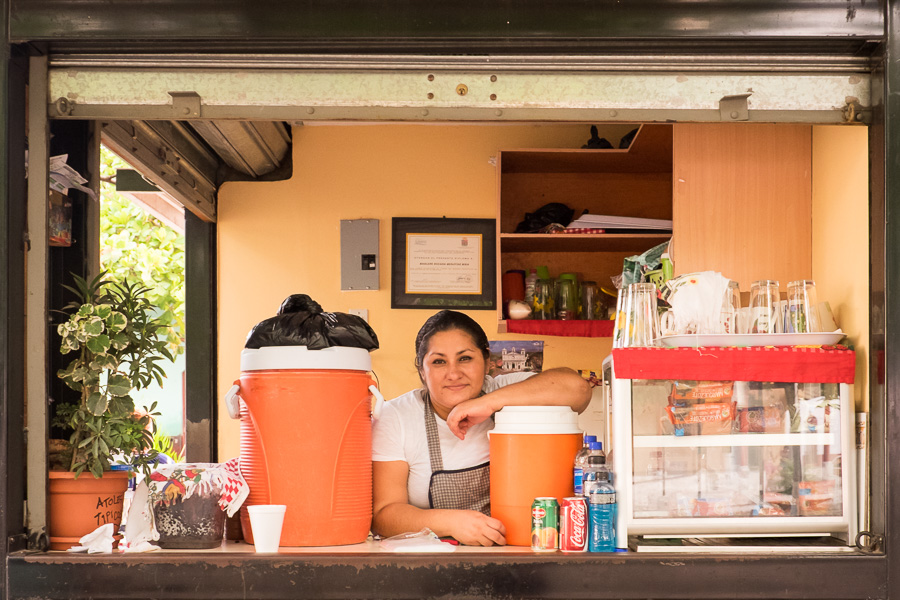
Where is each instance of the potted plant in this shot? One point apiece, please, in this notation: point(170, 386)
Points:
point(118, 341)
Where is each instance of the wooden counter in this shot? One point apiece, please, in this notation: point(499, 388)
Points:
point(364, 571)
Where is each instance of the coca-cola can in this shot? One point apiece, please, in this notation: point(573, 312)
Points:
point(573, 524)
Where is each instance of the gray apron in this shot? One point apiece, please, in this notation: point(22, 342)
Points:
point(462, 489)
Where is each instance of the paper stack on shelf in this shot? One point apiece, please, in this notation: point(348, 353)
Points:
point(608, 222)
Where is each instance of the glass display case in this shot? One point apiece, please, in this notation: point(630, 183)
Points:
point(733, 441)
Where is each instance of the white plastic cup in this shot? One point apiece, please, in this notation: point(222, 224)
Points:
point(265, 523)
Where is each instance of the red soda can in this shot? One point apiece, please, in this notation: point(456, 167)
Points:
point(573, 525)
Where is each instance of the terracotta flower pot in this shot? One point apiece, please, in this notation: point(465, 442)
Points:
point(79, 506)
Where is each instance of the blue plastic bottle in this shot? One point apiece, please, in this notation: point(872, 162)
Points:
point(602, 513)
point(580, 460)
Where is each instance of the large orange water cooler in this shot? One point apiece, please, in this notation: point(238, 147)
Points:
point(306, 440)
point(533, 452)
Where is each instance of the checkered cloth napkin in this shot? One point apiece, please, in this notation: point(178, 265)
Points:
point(580, 230)
point(234, 488)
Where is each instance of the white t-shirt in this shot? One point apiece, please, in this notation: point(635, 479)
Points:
point(399, 434)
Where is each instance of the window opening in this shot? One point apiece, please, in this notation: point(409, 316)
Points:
point(142, 240)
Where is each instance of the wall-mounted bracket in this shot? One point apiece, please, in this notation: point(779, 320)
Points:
point(185, 104)
point(734, 108)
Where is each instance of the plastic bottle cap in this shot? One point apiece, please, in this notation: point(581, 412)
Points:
point(590, 438)
point(596, 445)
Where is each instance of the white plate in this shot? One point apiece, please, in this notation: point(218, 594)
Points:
point(752, 339)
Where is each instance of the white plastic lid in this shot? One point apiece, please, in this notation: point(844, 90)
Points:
point(536, 419)
point(301, 357)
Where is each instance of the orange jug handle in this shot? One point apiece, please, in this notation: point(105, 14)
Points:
point(232, 401)
point(378, 403)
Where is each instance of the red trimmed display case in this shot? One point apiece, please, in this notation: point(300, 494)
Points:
point(733, 442)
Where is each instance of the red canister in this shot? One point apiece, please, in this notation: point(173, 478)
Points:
point(573, 525)
point(513, 287)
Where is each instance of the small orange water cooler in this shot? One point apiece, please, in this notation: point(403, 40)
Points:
point(306, 440)
point(533, 452)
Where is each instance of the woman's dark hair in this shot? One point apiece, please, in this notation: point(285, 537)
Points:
point(448, 320)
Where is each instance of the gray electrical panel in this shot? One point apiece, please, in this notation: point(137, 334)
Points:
point(359, 254)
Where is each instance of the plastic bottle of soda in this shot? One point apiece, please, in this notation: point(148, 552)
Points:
point(602, 511)
point(580, 461)
point(596, 464)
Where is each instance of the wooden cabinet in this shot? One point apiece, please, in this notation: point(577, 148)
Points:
point(742, 200)
point(636, 182)
point(739, 195)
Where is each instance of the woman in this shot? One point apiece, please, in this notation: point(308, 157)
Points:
point(430, 446)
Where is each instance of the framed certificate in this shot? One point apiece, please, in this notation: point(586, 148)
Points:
point(443, 263)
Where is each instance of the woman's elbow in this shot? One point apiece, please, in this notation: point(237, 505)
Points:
point(582, 392)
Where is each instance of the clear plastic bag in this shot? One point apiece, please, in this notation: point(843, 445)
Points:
point(421, 541)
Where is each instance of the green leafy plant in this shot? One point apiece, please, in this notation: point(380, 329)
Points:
point(163, 445)
point(136, 246)
point(116, 334)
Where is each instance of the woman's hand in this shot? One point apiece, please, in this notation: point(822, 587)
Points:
point(473, 528)
point(468, 414)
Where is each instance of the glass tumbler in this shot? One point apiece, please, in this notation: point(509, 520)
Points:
point(619, 318)
point(590, 301)
point(566, 300)
point(764, 296)
point(731, 305)
point(641, 319)
point(544, 307)
point(802, 308)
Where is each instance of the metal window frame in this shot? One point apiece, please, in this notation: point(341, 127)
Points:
point(491, 575)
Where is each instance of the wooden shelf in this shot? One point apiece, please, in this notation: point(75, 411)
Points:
point(736, 440)
point(632, 182)
point(575, 242)
point(649, 152)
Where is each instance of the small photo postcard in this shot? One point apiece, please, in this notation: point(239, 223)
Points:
point(520, 356)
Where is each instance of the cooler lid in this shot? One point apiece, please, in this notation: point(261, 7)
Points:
point(301, 357)
point(536, 420)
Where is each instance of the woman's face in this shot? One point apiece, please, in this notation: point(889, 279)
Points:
point(453, 370)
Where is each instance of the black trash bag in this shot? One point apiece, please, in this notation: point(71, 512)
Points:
point(302, 322)
point(596, 142)
point(626, 140)
point(545, 215)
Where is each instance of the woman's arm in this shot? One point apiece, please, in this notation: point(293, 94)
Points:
point(554, 387)
point(394, 515)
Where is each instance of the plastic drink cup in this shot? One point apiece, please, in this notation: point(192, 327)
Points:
point(763, 300)
point(265, 522)
point(641, 320)
point(802, 308)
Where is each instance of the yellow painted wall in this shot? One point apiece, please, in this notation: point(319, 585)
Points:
point(280, 238)
point(840, 236)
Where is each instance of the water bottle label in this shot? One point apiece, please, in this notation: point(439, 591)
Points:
point(579, 481)
point(603, 498)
